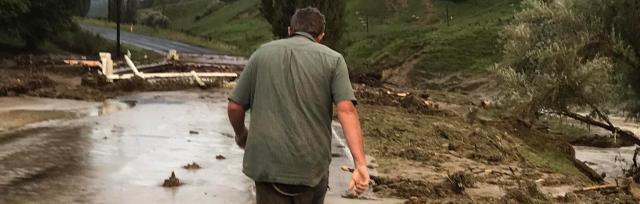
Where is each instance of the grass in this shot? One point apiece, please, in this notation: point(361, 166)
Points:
point(469, 42)
point(553, 159)
point(551, 151)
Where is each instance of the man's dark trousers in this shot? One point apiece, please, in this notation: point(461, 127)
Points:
point(268, 193)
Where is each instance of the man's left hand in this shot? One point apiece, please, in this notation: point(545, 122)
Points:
point(241, 138)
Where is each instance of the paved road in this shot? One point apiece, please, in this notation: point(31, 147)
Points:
point(151, 43)
point(119, 151)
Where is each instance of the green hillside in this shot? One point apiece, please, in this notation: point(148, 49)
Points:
point(412, 39)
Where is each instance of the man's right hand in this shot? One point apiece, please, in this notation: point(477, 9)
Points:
point(359, 180)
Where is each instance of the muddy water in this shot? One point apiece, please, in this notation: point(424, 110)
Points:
point(610, 161)
point(120, 151)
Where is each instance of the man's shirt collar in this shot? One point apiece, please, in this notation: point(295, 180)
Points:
point(306, 35)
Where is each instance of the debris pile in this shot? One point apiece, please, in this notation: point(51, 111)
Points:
point(192, 166)
point(460, 181)
point(414, 102)
point(172, 181)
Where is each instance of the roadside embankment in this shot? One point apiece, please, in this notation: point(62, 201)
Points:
point(444, 146)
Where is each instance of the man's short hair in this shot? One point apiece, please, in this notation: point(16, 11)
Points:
point(309, 20)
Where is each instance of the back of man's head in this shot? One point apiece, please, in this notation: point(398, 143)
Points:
point(309, 20)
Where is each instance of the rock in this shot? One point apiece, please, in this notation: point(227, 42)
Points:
point(193, 132)
point(172, 181)
point(486, 104)
point(220, 157)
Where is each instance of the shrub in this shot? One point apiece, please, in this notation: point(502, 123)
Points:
point(153, 18)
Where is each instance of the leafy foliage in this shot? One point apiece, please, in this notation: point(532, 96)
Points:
point(153, 19)
point(81, 7)
point(563, 54)
point(131, 11)
point(35, 21)
point(396, 5)
point(128, 10)
point(278, 13)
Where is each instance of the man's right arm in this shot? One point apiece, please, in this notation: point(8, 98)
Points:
point(240, 102)
point(348, 117)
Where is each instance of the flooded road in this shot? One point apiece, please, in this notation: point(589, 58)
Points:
point(120, 151)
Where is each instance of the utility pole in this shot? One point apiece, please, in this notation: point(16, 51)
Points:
point(367, 23)
point(447, 15)
point(118, 9)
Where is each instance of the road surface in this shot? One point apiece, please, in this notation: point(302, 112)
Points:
point(151, 43)
point(121, 150)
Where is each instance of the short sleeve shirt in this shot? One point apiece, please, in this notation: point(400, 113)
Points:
point(290, 87)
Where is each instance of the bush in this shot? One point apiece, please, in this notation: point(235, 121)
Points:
point(153, 18)
point(82, 42)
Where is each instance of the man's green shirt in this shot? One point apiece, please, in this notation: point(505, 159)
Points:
point(290, 87)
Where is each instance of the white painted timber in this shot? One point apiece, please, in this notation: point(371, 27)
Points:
point(198, 80)
point(133, 67)
point(176, 74)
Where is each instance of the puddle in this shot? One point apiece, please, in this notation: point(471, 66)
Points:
point(121, 150)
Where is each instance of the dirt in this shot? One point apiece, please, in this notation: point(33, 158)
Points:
point(172, 181)
point(192, 166)
point(18, 118)
point(452, 146)
point(41, 82)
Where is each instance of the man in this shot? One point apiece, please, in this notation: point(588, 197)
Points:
point(291, 86)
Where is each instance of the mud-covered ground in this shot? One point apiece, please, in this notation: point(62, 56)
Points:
point(442, 146)
point(451, 145)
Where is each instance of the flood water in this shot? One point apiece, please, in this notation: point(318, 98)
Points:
point(120, 151)
point(610, 161)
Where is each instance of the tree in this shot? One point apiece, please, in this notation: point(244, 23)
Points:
point(278, 13)
point(131, 11)
point(429, 10)
point(81, 7)
point(35, 21)
point(560, 55)
point(128, 11)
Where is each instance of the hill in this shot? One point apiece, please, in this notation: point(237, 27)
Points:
point(413, 44)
